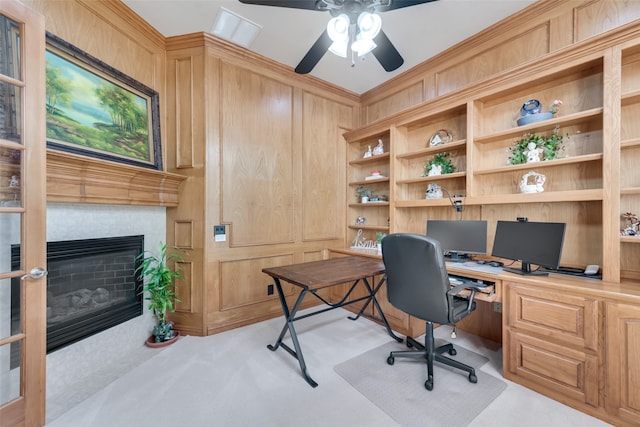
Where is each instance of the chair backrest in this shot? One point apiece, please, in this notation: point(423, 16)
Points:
point(417, 279)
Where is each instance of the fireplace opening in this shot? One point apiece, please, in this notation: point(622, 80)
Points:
point(92, 285)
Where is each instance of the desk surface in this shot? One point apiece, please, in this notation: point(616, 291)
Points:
point(330, 272)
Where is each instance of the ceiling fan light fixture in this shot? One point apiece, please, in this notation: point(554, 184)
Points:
point(369, 25)
point(363, 45)
point(338, 28)
point(339, 48)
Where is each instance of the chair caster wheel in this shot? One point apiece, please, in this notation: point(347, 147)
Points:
point(390, 360)
point(453, 352)
point(428, 384)
point(473, 379)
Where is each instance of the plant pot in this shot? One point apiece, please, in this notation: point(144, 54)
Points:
point(151, 341)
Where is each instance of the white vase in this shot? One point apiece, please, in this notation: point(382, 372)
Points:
point(364, 199)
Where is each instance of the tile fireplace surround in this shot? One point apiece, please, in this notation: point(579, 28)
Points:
point(70, 365)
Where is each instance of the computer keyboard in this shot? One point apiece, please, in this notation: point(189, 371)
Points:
point(459, 280)
point(473, 266)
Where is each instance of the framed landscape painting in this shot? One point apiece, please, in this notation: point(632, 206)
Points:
point(97, 111)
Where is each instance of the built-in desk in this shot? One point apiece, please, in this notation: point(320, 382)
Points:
point(576, 340)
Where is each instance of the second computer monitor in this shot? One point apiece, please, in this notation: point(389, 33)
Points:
point(538, 243)
point(459, 238)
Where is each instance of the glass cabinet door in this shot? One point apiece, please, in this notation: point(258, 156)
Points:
point(22, 216)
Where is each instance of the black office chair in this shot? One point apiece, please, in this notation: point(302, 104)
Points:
point(418, 284)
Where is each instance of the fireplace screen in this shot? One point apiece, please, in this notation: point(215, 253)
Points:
point(92, 285)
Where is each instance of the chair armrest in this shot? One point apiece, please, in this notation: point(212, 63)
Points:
point(459, 288)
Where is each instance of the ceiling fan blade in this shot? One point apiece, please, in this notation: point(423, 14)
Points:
point(386, 53)
point(294, 4)
point(315, 54)
point(399, 4)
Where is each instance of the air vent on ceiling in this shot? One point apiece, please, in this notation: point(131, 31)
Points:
point(234, 28)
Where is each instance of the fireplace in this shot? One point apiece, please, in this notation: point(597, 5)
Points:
point(92, 285)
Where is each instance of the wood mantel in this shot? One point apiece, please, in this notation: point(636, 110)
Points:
point(78, 179)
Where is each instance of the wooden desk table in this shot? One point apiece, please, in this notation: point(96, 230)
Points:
point(314, 276)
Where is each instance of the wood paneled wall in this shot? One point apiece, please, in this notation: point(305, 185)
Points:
point(544, 27)
point(274, 175)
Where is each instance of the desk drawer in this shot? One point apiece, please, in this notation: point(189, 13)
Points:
point(556, 371)
point(568, 319)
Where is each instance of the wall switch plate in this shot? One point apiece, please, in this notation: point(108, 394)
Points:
point(219, 233)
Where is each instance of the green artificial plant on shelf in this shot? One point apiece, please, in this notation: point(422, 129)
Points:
point(548, 146)
point(440, 164)
point(379, 236)
point(160, 288)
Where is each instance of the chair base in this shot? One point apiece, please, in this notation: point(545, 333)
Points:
point(430, 353)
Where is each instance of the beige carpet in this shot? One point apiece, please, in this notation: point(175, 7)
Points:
point(399, 389)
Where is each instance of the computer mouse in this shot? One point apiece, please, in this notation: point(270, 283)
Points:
point(496, 264)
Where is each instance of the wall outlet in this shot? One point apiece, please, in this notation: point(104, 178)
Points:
point(269, 289)
point(497, 307)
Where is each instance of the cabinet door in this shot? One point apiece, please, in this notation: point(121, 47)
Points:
point(567, 319)
point(622, 342)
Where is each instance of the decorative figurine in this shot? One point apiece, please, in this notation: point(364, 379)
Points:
point(533, 152)
point(14, 182)
point(361, 220)
point(435, 170)
point(379, 148)
point(434, 191)
point(532, 186)
point(368, 153)
point(632, 224)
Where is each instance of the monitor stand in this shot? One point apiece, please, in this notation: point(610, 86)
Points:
point(457, 257)
point(525, 270)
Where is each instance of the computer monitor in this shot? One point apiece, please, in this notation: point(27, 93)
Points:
point(459, 238)
point(538, 243)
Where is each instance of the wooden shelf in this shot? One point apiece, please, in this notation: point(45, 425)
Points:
point(432, 178)
point(450, 146)
point(542, 164)
point(544, 197)
point(506, 199)
point(630, 190)
point(368, 205)
point(423, 203)
point(630, 143)
point(546, 125)
point(372, 159)
point(371, 181)
point(369, 227)
point(630, 98)
point(77, 179)
point(630, 239)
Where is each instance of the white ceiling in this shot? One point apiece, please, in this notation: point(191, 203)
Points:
point(418, 32)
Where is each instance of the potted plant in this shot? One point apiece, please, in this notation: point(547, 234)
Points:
point(440, 164)
point(547, 146)
point(160, 290)
point(364, 194)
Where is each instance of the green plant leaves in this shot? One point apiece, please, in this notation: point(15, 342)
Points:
point(551, 146)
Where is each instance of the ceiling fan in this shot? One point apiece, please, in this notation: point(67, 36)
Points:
point(355, 24)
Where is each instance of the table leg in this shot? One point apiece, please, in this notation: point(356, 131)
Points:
point(288, 326)
point(372, 297)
